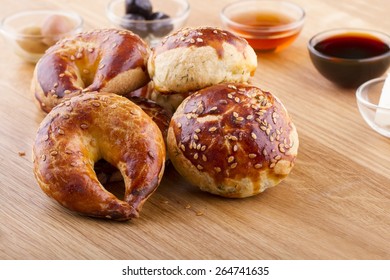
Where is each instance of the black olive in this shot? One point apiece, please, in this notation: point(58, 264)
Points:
point(140, 7)
point(139, 28)
point(160, 28)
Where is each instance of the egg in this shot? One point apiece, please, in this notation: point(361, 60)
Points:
point(54, 27)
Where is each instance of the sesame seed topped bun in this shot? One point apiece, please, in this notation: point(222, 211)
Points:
point(194, 58)
point(233, 140)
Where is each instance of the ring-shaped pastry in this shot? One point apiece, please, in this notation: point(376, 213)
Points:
point(88, 127)
point(107, 60)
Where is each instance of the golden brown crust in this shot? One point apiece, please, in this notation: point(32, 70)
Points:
point(233, 140)
point(193, 58)
point(80, 131)
point(100, 60)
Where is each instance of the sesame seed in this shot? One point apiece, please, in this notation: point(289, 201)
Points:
point(235, 148)
point(72, 57)
point(239, 119)
point(79, 55)
point(55, 85)
point(179, 125)
point(249, 117)
point(192, 41)
point(217, 169)
point(196, 137)
point(234, 165)
point(230, 159)
point(198, 147)
point(265, 153)
point(204, 158)
point(182, 147)
point(199, 213)
point(188, 206)
point(278, 157)
point(253, 135)
point(67, 91)
point(60, 131)
point(262, 127)
point(252, 155)
point(97, 104)
point(90, 50)
point(272, 165)
point(66, 116)
point(203, 148)
point(237, 99)
point(232, 87)
point(199, 40)
point(197, 130)
point(213, 108)
point(235, 114)
point(53, 153)
point(84, 126)
point(61, 75)
point(234, 138)
point(212, 129)
point(196, 156)
point(101, 66)
point(258, 166)
point(46, 137)
point(215, 31)
point(200, 167)
point(43, 157)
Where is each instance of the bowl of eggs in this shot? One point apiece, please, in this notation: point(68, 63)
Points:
point(30, 33)
point(150, 19)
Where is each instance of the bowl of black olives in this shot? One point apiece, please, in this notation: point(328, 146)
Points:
point(150, 19)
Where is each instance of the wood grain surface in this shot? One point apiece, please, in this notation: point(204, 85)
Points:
point(334, 205)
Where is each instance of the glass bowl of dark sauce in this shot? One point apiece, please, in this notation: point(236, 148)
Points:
point(349, 57)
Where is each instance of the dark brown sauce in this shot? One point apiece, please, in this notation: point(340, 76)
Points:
point(344, 58)
point(352, 46)
point(272, 41)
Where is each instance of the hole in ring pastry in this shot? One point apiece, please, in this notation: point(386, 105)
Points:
point(106, 60)
point(85, 128)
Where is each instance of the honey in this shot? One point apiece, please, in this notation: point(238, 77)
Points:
point(265, 31)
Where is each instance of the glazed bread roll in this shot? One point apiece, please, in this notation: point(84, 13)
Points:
point(233, 140)
point(194, 58)
point(92, 126)
point(100, 60)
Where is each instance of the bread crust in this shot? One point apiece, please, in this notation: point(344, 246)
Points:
point(194, 58)
point(233, 140)
point(92, 126)
point(107, 60)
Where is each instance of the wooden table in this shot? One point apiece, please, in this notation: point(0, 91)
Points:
point(334, 205)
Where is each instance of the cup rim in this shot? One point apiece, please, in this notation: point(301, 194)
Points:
point(344, 30)
point(118, 19)
point(362, 100)
point(16, 34)
point(290, 26)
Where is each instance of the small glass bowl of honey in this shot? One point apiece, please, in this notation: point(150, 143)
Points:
point(267, 25)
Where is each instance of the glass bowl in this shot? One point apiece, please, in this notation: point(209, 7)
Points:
point(30, 33)
point(375, 109)
point(349, 57)
point(151, 30)
point(267, 25)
